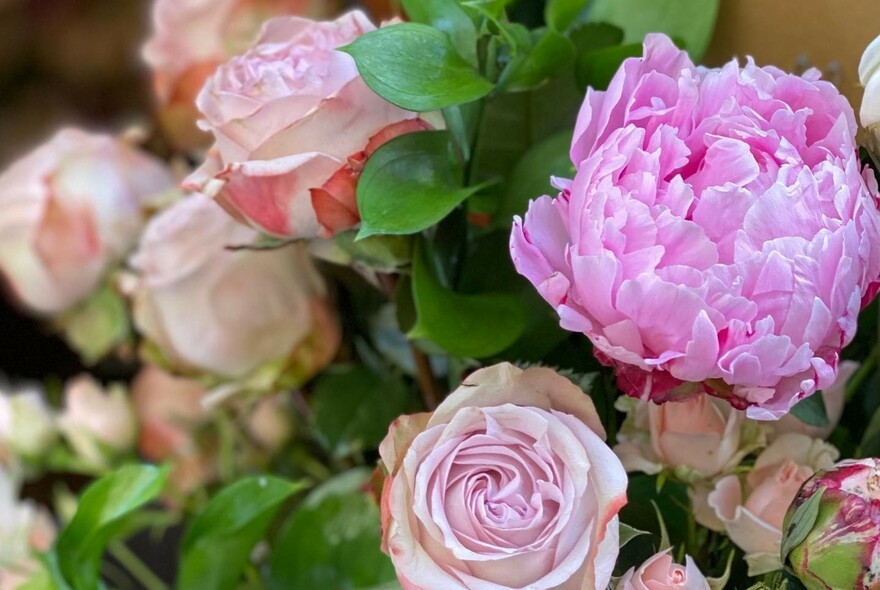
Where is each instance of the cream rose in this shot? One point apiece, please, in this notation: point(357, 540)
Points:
point(752, 510)
point(69, 210)
point(696, 439)
point(294, 124)
point(226, 312)
point(660, 572)
point(508, 484)
point(28, 426)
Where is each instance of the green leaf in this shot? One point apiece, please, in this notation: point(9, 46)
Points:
point(597, 68)
point(381, 253)
point(561, 14)
point(799, 525)
point(447, 16)
point(811, 411)
point(409, 184)
point(592, 36)
point(97, 325)
point(628, 533)
point(477, 325)
point(690, 20)
point(416, 67)
point(332, 541)
point(551, 52)
point(530, 177)
point(217, 546)
point(352, 408)
point(101, 517)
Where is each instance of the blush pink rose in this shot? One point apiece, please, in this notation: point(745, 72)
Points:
point(294, 124)
point(191, 38)
point(661, 572)
point(208, 308)
point(68, 211)
point(719, 235)
point(25, 530)
point(696, 439)
point(752, 508)
point(508, 484)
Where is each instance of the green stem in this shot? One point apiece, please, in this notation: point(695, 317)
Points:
point(137, 568)
point(867, 367)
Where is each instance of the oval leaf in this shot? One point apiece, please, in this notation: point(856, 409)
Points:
point(219, 541)
point(416, 67)
point(811, 411)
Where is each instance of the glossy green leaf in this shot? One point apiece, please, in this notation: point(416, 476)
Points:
point(800, 523)
point(332, 541)
point(218, 543)
point(409, 184)
point(475, 325)
point(447, 16)
point(101, 517)
point(693, 21)
point(596, 68)
point(416, 67)
point(352, 408)
point(561, 14)
point(530, 177)
point(551, 52)
point(811, 411)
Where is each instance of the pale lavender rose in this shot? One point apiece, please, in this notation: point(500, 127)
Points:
point(98, 423)
point(719, 235)
point(660, 572)
point(191, 38)
point(68, 211)
point(209, 308)
point(752, 508)
point(508, 484)
point(294, 123)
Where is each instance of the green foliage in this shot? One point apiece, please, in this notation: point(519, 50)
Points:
point(550, 52)
point(217, 545)
point(811, 411)
point(447, 16)
point(102, 516)
point(562, 14)
point(352, 408)
point(416, 67)
point(332, 541)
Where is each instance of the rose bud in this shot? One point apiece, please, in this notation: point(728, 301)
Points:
point(25, 530)
point(508, 484)
point(192, 37)
point(719, 236)
point(833, 397)
point(753, 507)
point(693, 440)
point(207, 307)
point(27, 424)
point(68, 211)
point(832, 528)
point(294, 124)
point(661, 572)
point(99, 424)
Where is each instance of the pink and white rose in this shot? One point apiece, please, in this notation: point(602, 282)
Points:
point(660, 572)
point(294, 123)
point(25, 530)
point(211, 309)
point(752, 507)
point(508, 484)
point(720, 234)
point(69, 210)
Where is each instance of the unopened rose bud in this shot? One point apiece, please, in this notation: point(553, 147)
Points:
point(27, 424)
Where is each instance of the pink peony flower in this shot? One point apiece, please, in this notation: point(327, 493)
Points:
point(211, 309)
point(294, 124)
point(834, 398)
point(508, 484)
point(752, 510)
point(68, 211)
point(661, 572)
point(718, 236)
point(191, 38)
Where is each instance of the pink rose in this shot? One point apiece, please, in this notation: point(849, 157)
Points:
point(834, 398)
point(719, 235)
point(660, 572)
point(752, 510)
point(227, 312)
point(192, 37)
point(695, 439)
point(68, 211)
point(25, 530)
point(97, 423)
point(508, 484)
point(294, 124)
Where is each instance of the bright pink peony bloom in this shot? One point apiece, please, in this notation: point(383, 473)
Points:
point(719, 235)
point(294, 123)
point(508, 484)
